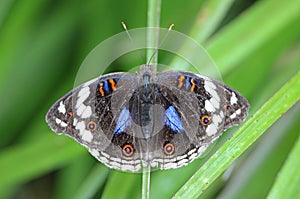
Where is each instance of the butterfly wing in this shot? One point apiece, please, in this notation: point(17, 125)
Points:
point(201, 108)
point(96, 114)
point(167, 122)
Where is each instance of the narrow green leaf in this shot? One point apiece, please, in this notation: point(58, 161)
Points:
point(284, 99)
point(36, 158)
point(120, 185)
point(5, 6)
point(78, 170)
point(288, 181)
point(254, 173)
point(208, 19)
point(253, 29)
point(153, 20)
point(16, 26)
point(93, 182)
point(31, 72)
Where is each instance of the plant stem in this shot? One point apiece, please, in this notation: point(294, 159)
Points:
point(146, 182)
point(153, 17)
point(152, 34)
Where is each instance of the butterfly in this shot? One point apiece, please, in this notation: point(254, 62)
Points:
point(131, 120)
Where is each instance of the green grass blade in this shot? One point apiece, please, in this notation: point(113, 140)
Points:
point(78, 170)
point(93, 182)
point(258, 167)
point(153, 20)
point(5, 6)
point(16, 26)
point(288, 181)
point(209, 17)
point(36, 158)
point(43, 56)
point(250, 31)
point(122, 185)
point(284, 99)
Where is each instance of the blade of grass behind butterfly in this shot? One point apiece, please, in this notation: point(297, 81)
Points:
point(34, 71)
point(209, 17)
point(69, 179)
point(257, 168)
point(288, 95)
point(250, 31)
point(289, 175)
point(93, 182)
point(227, 54)
point(122, 185)
point(20, 18)
point(265, 156)
point(5, 6)
point(50, 152)
point(253, 174)
point(43, 47)
point(153, 20)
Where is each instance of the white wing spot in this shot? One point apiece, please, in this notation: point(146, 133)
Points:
point(209, 107)
point(60, 122)
point(63, 124)
point(221, 114)
point(87, 112)
point(83, 110)
point(82, 95)
point(237, 112)
point(210, 88)
point(233, 115)
point(215, 102)
point(80, 110)
point(61, 108)
point(75, 122)
point(211, 129)
point(216, 119)
point(233, 98)
point(209, 85)
point(85, 135)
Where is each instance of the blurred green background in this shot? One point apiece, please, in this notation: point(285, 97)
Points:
point(255, 44)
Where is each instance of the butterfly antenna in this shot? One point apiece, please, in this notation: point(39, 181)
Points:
point(131, 40)
point(161, 43)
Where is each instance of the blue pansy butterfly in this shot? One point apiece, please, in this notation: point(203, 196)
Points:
point(131, 120)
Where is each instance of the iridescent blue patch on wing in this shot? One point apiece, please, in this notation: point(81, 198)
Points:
point(123, 122)
point(173, 120)
point(106, 87)
point(187, 82)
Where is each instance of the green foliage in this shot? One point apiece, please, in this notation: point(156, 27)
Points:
point(256, 47)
